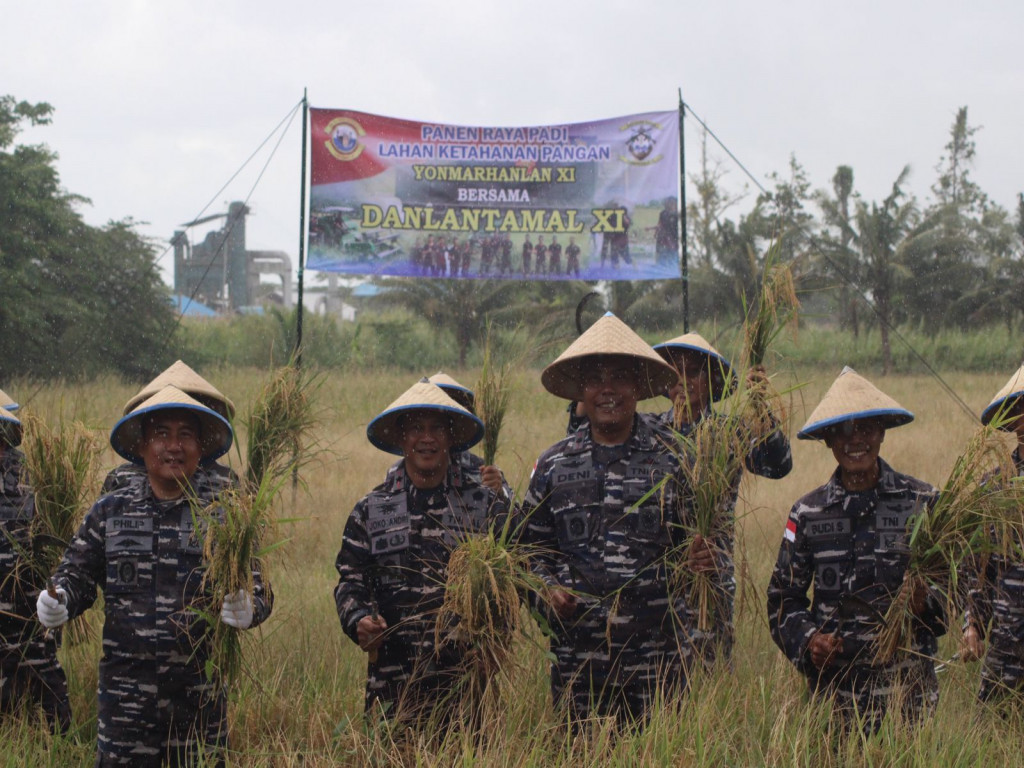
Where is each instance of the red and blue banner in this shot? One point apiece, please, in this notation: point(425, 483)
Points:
point(588, 201)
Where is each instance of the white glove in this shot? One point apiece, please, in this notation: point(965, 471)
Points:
point(237, 610)
point(52, 611)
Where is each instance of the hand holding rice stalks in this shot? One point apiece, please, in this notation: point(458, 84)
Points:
point(946, 533)
point(487, 578)
point(60, 463)
point(713, 453)
point(240, 527)
point(235, 529)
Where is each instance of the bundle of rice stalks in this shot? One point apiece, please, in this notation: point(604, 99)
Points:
point(493, 394)
point(487, 577)
point(238, 528)
point(714, 452)
point(495, 386)
point(60, 463)
point(777, 308)
point(279, 424)
point(946, 536)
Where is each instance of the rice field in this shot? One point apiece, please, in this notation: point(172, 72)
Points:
point(299, 700)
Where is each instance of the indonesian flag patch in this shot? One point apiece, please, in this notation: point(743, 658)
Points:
point(790, 534)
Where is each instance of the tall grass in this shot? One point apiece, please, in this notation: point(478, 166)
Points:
point(301, 702)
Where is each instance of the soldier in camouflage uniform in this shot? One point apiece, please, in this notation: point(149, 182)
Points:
point(393, 562)
point(603, 539)
point(182, 376)
point(30, 675)
point(704, 378)
point(847, 540)
point(996, 598)
point(139, 545)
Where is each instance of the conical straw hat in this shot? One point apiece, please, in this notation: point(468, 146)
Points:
point(721, 369)
point(851, 396)
point(215, 434)
point(180, 375)
point(384, 430)
point(462, 395)
point(1013, 389)
point(608, 337)
point(10, 428)
point(6, 403)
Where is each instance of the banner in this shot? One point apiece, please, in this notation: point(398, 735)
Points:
point(589, 201)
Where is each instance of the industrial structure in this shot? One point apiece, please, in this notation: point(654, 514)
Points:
point(221, 273)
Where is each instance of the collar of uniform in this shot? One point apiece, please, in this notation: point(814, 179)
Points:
point(641, 437)
point(397, 479)
point(887, 483)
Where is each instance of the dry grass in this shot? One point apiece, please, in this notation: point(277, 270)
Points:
point(952, 532)
point(61, 463)
point(302, 705)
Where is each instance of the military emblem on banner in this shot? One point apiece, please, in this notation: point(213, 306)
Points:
point(641, 142)
point(344, 135)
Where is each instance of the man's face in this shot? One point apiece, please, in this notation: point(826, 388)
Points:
point(426, 438)
point(855, 444)
point(692, 391)
point(610, 395)
point(170, 448)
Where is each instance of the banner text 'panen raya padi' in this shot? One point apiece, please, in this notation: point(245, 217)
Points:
point(592, 201)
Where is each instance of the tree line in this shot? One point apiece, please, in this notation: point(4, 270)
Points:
point(952, 263)
point(77, 300)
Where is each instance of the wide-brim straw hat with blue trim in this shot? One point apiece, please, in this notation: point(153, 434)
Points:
point(182, 376)
point(722, 380)
point(7, 403)
point(609, 337)
point(384, 432)
point(464, 396)
point(850, 397)
point(10, 428)
point(215, 435)
point(1013, 389)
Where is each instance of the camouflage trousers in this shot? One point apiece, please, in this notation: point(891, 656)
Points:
point(415, 685)
point(863, 695)
point(31, 677)
point(616, 665)
point(1002, 671)
point(163, 714)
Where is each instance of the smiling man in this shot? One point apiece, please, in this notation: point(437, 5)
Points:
point(847, 540)
point(393, 563)
point(604, 534)
point(139, 545)
point(179, 375)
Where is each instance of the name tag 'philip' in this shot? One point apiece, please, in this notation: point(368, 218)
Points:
point(132, 524)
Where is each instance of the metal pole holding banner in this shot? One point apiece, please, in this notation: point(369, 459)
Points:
point(302, 231)
point(684, 266)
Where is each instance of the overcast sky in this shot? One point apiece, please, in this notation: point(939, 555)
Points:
point(158, 104)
